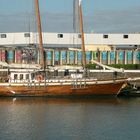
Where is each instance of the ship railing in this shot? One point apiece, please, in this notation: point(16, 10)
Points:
point(79, 84)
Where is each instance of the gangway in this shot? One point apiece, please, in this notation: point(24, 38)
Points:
point(79, 84)
point(78, 81)
point(107, 67)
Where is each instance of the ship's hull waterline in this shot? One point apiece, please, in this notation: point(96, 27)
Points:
point(62, 88)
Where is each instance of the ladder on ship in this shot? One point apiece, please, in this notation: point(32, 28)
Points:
point(79, 84)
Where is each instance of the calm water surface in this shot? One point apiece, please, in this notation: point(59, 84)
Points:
point(69, 119)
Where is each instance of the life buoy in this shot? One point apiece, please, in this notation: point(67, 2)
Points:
point(39, 78)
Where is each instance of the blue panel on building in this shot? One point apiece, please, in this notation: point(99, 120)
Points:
point(88, 56)
point(104, 55)
point(130, 56)
point(79, 54)
point(121, 56)
point(49, 55)
point(112, 56)
point(10, 55)
point(138, 56)
point(71, 55)
point(63, 55)
point(57, 55)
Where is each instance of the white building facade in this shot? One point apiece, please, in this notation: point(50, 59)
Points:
point(12, 39)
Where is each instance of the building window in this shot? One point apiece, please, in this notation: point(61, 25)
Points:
point(105, 36)
point(79, 35)
point(125, 36)
point(60, 35)
point(27, 35)
point(3, 35)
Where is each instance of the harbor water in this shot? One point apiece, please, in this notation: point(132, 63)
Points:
point(69, 119)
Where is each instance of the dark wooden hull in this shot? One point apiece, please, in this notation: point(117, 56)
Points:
point(58, 90)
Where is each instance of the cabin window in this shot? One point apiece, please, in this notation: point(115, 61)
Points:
point(60, 35)
point(32, 76)
point(27, 35)
point(66, 72)
point(27, 76)
point(55, 72)
point(125, 36)
point(105, 36)
point(15, 76)
point(3, 35)
point(21, 77)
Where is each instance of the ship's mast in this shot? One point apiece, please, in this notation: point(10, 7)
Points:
point(82, 35)
point(40, 33)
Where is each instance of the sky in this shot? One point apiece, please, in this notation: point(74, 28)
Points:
point(100, 16)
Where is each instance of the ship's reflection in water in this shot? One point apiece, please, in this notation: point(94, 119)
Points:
point(69, 119)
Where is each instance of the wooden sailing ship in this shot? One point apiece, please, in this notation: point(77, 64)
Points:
point(36, 83)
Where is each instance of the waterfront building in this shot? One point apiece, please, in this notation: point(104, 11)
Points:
point(64, 48)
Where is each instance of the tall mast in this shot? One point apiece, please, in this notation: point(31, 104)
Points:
point(82, 35)
point(40, 33)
